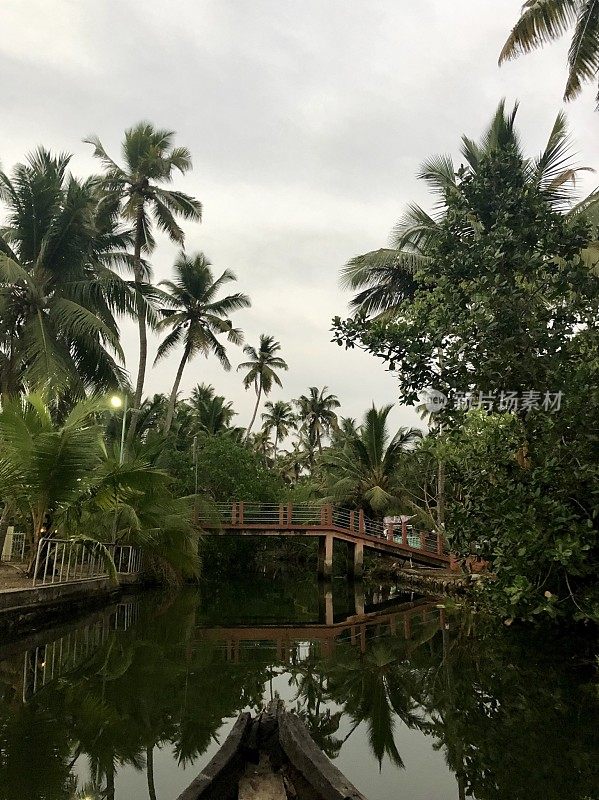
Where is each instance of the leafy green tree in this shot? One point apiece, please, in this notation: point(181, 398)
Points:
point(278, 417)
point(197, 316)
point(138, 192)
point(512, 305)
point(231, 471)
point(346, 429)
point(58, 293)
point(364, 471)
point(316, 410)
point(543, 21)
point(262, 369)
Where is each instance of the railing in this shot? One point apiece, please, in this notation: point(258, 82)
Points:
point(14, 546)
point(68, 560)
point(284, 516)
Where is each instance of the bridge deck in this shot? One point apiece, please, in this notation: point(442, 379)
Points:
point(399, 540)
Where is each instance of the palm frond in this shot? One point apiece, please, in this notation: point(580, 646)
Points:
point(541, 22)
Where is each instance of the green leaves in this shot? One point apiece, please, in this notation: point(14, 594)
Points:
point(543, 21)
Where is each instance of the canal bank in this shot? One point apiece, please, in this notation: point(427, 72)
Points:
point(25, 608)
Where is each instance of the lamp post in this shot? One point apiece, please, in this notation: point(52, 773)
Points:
point(117, 402)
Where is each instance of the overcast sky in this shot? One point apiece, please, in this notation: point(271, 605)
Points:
point(307, 122)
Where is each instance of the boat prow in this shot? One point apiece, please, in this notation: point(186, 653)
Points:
point(270, 757)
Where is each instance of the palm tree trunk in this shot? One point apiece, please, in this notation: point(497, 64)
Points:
point(274, 452)
point(173, 398)
point(150, 773)
point(141, 324)
point(109, 791)
point(253, 419)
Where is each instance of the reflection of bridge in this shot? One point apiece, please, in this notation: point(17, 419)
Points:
point(330, 524)
point(396, 620)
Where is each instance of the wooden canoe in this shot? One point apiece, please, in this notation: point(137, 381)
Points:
point(270, 756)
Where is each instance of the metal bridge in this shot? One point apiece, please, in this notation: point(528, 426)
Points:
point(330, 524)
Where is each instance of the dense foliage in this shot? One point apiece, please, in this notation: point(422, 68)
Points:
point(504, 316)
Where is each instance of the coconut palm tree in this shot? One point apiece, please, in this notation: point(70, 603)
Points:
point(543, 21)
point(261, 370)
point(212, 413)
point(364, 472)
point(316, 411)
point(197, 316)
point(346, 429)
point(262, 446)
point(58, 293)
point(279, 417)
point(389, 277)
point(138, 191)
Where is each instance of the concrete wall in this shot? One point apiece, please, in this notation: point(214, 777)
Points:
point(23, 609)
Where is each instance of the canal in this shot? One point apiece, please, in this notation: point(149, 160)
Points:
point(412, 699)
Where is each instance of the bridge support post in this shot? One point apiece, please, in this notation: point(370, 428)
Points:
point(325, 603)
point(359, 601)
point(325, 556)
point(355, 560)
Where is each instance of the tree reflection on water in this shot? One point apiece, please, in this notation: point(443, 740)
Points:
point(512, 720)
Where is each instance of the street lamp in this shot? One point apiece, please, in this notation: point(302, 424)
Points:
point(116, 402)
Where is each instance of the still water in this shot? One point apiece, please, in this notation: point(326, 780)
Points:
point(412, 702)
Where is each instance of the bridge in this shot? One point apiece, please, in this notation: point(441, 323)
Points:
point(330, 524)
point(407, 619)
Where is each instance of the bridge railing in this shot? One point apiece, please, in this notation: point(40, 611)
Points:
point(305, 515)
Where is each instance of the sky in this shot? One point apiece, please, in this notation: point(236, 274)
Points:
point(307, 122)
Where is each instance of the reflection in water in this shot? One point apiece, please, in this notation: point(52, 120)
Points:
point(86, 712)
point(49, 661)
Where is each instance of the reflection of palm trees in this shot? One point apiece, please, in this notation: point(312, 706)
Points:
point(309, 679)
point(375, 689)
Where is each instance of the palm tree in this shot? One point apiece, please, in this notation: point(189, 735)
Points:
point(150, 160)
point(279, 417)
point(212, 413)
point(262, 446)
point(543, 21)
point(197, 316)
point(57, 290)
point(316, 411)
point(389, 277)
point(365, 470)
point(346, 429)
point(261, 370)
point(45, 467)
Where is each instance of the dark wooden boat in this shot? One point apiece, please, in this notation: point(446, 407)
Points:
point(270, 757)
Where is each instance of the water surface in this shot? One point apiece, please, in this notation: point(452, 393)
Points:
point(412, 701)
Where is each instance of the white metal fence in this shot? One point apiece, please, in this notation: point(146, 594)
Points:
point(14, 546)
point(68, 560)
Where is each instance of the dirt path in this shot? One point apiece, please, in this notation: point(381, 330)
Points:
point(12, 576)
